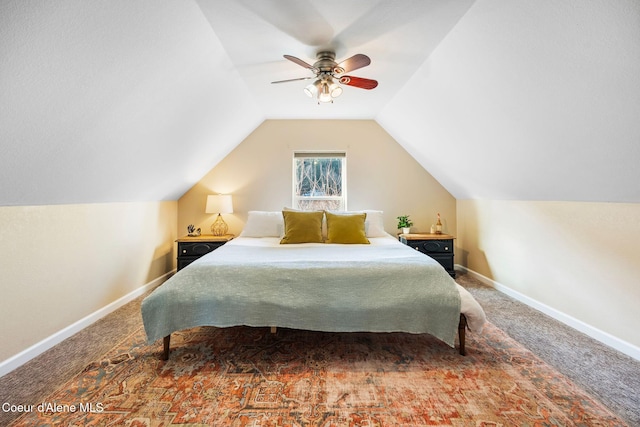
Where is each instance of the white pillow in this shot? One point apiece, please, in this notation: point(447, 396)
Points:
point(374, 224)
point(263, 224)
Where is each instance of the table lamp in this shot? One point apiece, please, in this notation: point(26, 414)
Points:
point(219, 203)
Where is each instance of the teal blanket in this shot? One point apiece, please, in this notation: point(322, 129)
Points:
point(385, 287)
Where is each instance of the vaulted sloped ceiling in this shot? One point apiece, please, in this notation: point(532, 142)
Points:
point(398, 36)
point(106, 101)
point(120, 100)
point(529, 100)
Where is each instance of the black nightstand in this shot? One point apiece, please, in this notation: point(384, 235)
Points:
point(437, 246)
point(192, 248)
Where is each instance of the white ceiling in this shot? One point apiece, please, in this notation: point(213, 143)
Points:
point(126, 100)
point(530, 100)
point(397, 35)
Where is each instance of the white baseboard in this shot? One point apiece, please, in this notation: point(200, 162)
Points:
point(595, 333)
point(38, 348)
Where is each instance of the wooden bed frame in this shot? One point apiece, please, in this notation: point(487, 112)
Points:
point(461, 337)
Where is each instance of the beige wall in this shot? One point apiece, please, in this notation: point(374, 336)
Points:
point(582, 259)
point(381, 175)
point(61, 263)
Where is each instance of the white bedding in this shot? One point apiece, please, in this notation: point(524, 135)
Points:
point(381, 287)
point(474, 313)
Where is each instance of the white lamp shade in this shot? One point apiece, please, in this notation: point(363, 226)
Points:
point(335, 90)
point(219, 203)
point(310, 90)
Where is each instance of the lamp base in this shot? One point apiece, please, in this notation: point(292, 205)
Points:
point(219, 227)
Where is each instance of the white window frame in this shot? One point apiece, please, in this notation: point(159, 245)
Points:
point(342, 199)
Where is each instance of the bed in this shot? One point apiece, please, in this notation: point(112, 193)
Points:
point(322, 285)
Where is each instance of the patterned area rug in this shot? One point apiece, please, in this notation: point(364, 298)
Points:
point(250, 377)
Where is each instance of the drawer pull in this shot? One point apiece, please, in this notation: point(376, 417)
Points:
point(184, 251)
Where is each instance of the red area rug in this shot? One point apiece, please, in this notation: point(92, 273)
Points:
point(249, 377)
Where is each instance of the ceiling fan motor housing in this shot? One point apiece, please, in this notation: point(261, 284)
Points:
point(326, 64)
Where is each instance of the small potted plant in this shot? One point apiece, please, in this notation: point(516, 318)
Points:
point(404, 223)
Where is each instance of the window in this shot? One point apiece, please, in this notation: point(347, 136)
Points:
point(319, 181)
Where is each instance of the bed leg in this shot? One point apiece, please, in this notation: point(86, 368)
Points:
point(165, 351)
point(462, 326)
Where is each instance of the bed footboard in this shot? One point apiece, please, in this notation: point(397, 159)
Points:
point(462, 326)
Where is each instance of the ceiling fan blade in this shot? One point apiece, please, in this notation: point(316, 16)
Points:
point(292, 80)
point(360, 82)
point(355, 62)
point(299, 61)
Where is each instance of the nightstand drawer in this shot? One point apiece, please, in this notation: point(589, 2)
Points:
point(432, 246)
point(437, 246)
point(445, 260)
point(184, 261)
point(190, 248)
point(197, 248)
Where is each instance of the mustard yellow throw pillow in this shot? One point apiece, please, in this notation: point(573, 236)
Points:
point(346, 228)
point(302, 227)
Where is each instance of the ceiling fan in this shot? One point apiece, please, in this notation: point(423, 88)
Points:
point(329, 75)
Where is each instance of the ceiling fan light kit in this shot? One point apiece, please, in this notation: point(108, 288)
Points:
point(325, 89)
point(329, 75)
